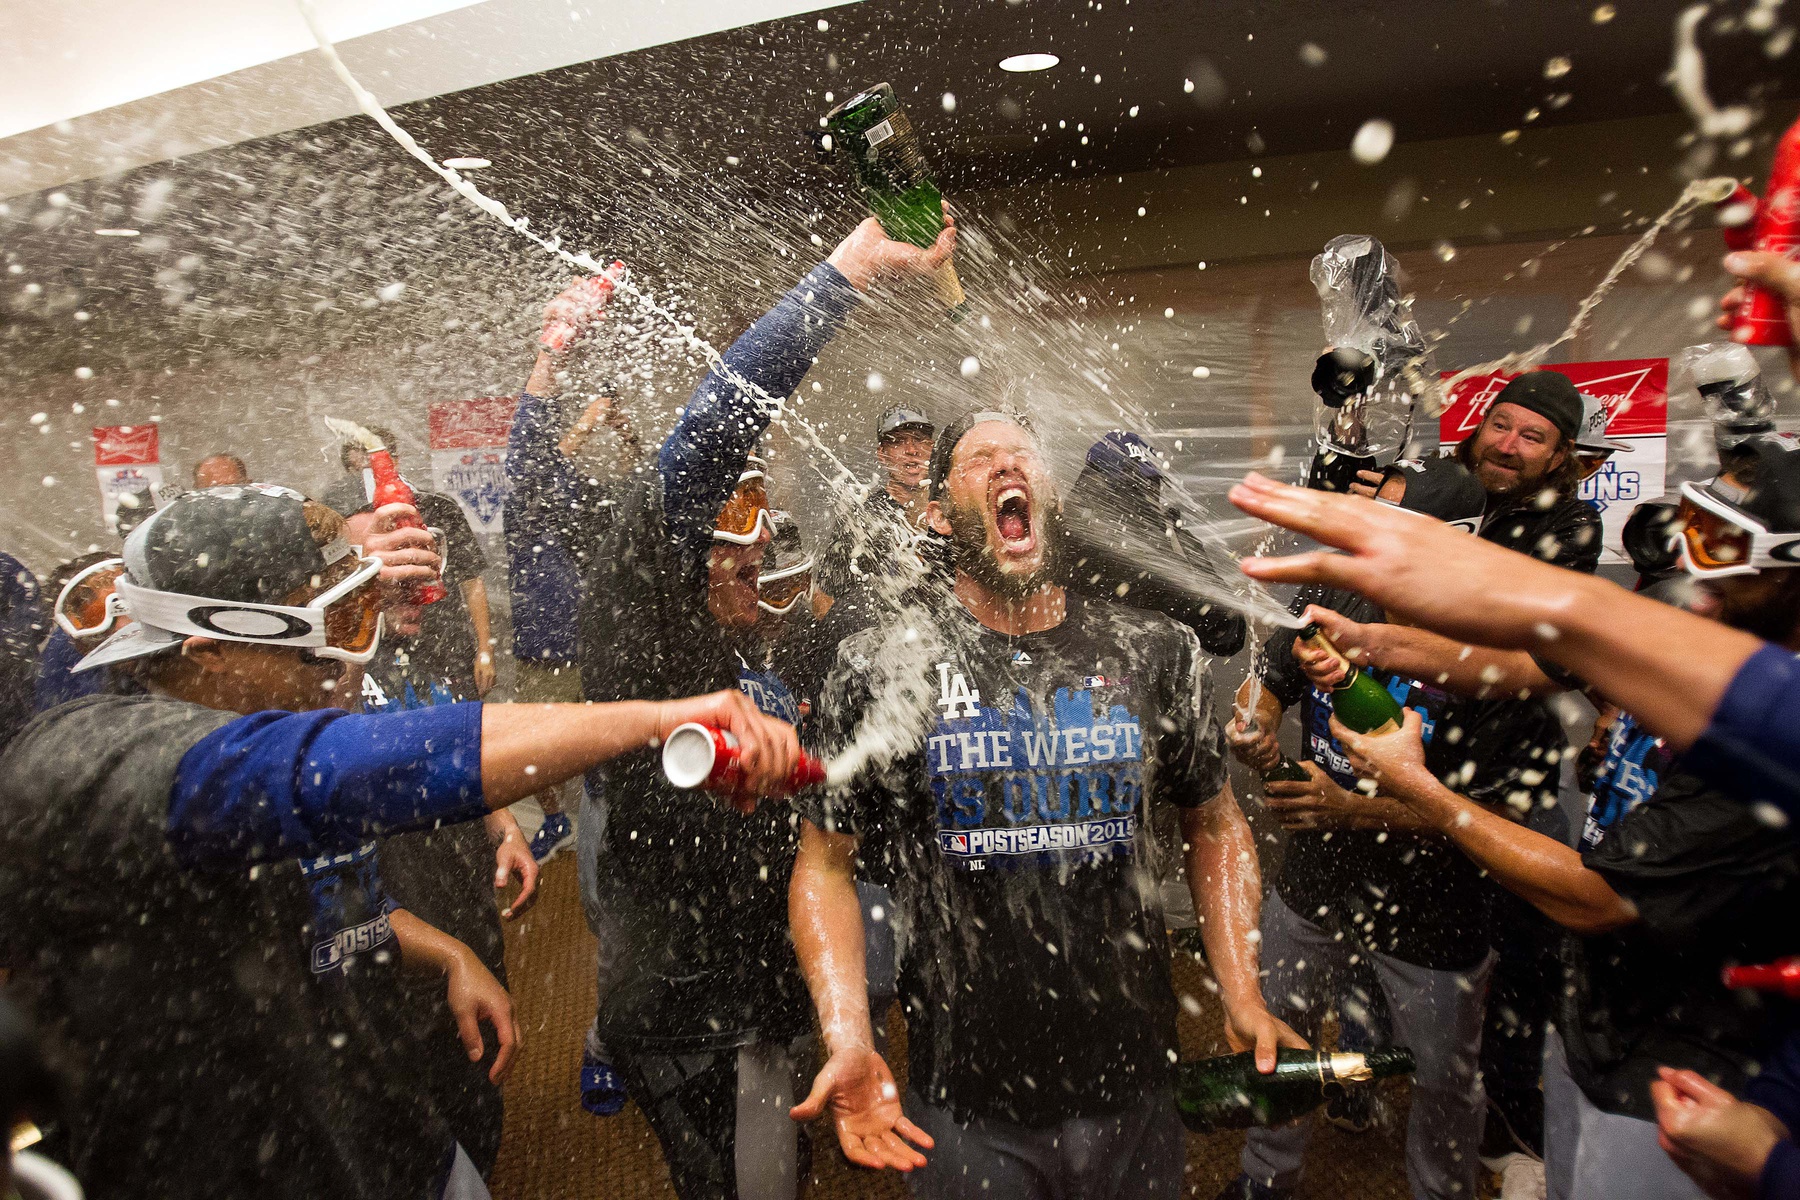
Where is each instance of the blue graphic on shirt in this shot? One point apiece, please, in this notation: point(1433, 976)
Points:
point(1628, 776)
point(351, 910)
point(1020, 788)
point(768, 693)
point(1325, 750)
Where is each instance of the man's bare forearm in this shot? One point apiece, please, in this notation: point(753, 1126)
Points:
point(475, 595)
point(528, 747)
point(826, 919)
point(1543, 871)
point(1226, 882)
point(1455, 666)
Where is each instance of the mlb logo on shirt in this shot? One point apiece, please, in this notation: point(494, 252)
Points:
point(959, 842)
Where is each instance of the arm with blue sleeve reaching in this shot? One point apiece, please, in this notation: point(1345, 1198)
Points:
point(705, 452)
point(274, 785)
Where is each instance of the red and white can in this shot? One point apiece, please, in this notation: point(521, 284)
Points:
point(1762, 317)
point(700, 756)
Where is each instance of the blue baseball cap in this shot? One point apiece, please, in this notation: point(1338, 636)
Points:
point(1124, 455)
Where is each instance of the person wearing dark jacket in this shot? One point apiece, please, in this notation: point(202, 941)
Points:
point(1361, 880)
point(1675, 879)
point(198, 920)
point(701, 997)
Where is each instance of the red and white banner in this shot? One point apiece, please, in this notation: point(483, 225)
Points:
point(1636, 394)
point(468, 456)
point(127, 462)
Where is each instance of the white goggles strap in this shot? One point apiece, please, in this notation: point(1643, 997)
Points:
point(248, 620)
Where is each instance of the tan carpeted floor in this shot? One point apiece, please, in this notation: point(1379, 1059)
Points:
point(553, 1150)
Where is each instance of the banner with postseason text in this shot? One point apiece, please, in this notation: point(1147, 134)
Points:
point(468, 456)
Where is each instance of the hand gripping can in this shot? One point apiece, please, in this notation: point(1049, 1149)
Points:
point(696, 755)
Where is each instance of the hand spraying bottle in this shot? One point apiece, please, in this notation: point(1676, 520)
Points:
point(390, 488)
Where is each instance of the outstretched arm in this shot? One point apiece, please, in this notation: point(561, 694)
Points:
point(705, 452)
point(855, 1083)
point(279, 785)
point(1457, 667)
point(1226, 883)
point(1545, 872)
point(1666, 667)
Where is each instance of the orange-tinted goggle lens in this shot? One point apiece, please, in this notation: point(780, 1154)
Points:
point(90, 607)
point(1712, 541)
point(746, 507)
point(353, 622)
point(778, 593)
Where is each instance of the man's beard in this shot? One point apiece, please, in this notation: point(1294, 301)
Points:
point(970, 551)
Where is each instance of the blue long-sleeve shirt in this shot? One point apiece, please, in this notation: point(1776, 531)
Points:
point(544, 508)
point(1752, 746)
point(281, 785)
point(705, 452)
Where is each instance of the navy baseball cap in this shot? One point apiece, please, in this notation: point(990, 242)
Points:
point(1122, 454)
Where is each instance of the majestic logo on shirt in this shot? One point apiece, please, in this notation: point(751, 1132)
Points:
point(956, 698)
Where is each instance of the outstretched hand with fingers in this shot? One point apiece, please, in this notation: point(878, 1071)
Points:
point(857, 1088)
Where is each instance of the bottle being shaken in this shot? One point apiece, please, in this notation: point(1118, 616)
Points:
point(1228, 1092)
point(873, 133)
point(1359, 701)
point(390, 488)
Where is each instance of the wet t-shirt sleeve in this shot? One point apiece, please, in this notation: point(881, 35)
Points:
point(1191, 752)
point(1752, 746)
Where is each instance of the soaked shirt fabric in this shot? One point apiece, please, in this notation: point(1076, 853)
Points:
point(1016, 842)
point(199, 927)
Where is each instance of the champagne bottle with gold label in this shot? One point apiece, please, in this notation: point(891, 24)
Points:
point(1228, 1092)
point(872, 132)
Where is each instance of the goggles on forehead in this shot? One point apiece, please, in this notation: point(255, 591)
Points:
point(779, 592)
point(1718, 540)
point(745, 516)
point(89, 603)
point(343, 622)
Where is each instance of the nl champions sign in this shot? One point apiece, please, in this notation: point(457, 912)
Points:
point(1636, 394)
point(468, 456)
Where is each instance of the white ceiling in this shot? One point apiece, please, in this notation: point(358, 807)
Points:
point(94, 86)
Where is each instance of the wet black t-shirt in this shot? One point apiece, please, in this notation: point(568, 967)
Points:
point(1015, 840)
point(1412, 896)
point(696, 891)
point(1714, 885)
point(227, 1033)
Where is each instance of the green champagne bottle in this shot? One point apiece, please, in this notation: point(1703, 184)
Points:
point(873, 133)
point(1359, 702)
point(1228, 1092)
point(1286, 771)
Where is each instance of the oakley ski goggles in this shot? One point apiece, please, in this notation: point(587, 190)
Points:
point(745, 516)
point(89, 604)
point(343, 622)
point(1718, 539)
point(779, 592)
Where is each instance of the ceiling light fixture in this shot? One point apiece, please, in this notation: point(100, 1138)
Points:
point(115, 233)
point(467, 164)
point(1020, 63)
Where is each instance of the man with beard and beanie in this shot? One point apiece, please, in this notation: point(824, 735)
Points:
point(700, 998)
point(1524, 454)
point(1011, 819)
point(1667, 889)
point(1360, 879)
point(1117, 504)
point(192, 877)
